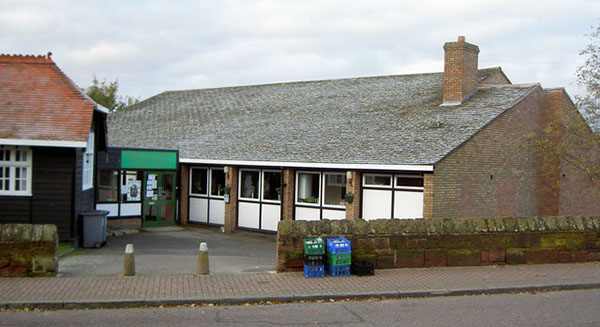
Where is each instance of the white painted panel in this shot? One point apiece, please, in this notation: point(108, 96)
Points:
point(216, 212)
point(199, 210)
point(334, 214)
point(308, 213)
point(271, 214)
point(408, 205)
point(112, 207)
point(377, 204)
point(248, 214)
point(131, 209)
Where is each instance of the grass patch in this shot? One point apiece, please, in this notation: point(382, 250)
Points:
point(64, 248)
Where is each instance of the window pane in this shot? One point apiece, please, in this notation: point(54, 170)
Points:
point(249, 184)
point(108, 185)
point(416, 181)
point(131, 184)
point(272, 186)
point(335, 189)
point(217, 182)
point(379, 180)
point(199, 181)
point(167, 187)
point(308, 188)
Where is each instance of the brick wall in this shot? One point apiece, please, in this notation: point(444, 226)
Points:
point(353, 210)
point(231, 179)
point(396, 243)
point(184, 194)
point(491, 175)
point(123, 223)
point(28, 250)
point(287, 200)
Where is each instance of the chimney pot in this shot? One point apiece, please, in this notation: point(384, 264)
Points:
point(461, 38)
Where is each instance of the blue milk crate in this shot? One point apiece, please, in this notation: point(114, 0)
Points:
point(338, 246)
point(336, 271)
point(314, 271)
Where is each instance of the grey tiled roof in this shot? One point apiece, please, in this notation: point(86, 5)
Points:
point(391, 120)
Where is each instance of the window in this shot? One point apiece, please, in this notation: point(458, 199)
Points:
point(217, 181)
point(335, 189)
point(108, 186)
point(377, 180)
point(308, 188)
point(199, 181)
point(15, 170)
point(88, 163)
point(131, 186)
point(409, 181)
point(272, 185)
point(249, 184)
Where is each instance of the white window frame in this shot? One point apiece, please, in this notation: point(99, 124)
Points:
point(12, 165)
point(207, 186)
point(401, 187)
point(259, 184)
point(209, 190)
point(320, 196)
point(391, 176)
point(87, 174)
point(262, 186)
point(324, 185)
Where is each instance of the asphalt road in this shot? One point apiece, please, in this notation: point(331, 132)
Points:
point(174, 251)
point(566, 308)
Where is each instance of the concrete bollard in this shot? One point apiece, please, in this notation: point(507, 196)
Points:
point(203, 259)
point(129, 261)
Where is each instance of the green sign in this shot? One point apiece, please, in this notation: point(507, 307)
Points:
point(131, 159)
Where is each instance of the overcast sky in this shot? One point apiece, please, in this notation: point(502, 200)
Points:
point(153, 46)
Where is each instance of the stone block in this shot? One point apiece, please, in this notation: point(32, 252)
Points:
point(480, 225)
point(510, 224)
point(563, 240)
point(464, 257)
point(578, 223)
point(588, 223)
point(564, 256)
point(484, 257)
point(37, 233)
point(361, 227)
point(455, 241)
point(564, 223)
point(385, 252)
point(596, 222)
point(50, 233)
point(44, 264)
point(461, 226)
point(515, 256)
point(435, 258)
point(434, 226)
point(293, 264)
point(550, 223)
point(367, 244)
point(382, 243)
point(582, 256)
point(447, 226)
point(411, 227)
point(523, 225)
point(537, 256)
point(497, 255)
point(537, 224)
point(398, 242)
point(526, 240)
point(410, 258)
point(498, 224)
point(4, 262)
point(385, 262)
point(594, 256)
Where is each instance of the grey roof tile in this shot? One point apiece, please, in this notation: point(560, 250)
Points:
point(391, 120)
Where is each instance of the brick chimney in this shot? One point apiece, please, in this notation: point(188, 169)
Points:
point(460, 71)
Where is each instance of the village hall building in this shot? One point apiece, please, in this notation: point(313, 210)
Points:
point(443, 145)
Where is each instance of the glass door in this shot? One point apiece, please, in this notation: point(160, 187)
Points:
point(159, 199)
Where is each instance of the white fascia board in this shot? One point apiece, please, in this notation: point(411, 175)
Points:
point(424, 168)
point(49, 143)
point(102, 109)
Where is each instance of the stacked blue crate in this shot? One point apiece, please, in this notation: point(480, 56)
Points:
point(314, 257)
point(338, 257)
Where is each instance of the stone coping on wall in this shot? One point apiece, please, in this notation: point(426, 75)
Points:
point(434, 226)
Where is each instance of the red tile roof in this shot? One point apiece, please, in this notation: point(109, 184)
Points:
point(39, 102)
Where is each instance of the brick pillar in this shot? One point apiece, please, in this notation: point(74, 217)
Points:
point(353, 185)
point(231, 179)
point(184, 194)
point(287, 199)
point(428, 195)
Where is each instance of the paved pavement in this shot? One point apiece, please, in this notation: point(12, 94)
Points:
point(174, 251)
point(153, 290)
